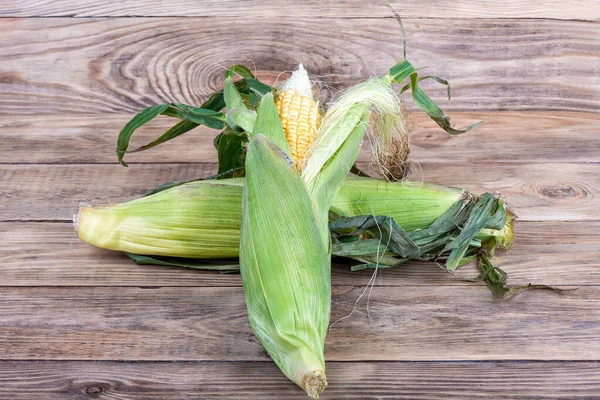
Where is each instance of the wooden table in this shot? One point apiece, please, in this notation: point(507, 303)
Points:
point(78, 322)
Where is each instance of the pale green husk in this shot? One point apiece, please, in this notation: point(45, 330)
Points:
point(202, 219)
point(285, 266)
point(285, 245)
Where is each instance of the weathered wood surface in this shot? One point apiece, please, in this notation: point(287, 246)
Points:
point(76, 380)
point(587, 10)
point(49, 254)
point(78, 322)
point(120, 65)
point(507, 136)
point(537, 191)
point(407, 323)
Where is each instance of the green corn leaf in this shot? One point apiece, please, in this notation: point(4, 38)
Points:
point(191, 117)
point(269, 124)
point(397, 16)
point(239, 116)
point(498, 218)
point(371, 265)
point(240, 70)
point(231, 147)
point(365, 247)
point(434, 112)
point(383, 260)
point(496, 280)
point(480, 216)
point(183, 262)
point(434, 78)
point(446, 223)
point(210, 118)
point(360, 267)
point(253, 88)
point(194, 116)
point(140, 119)
point(399, 72)
point(179, 129)
point(389, 232)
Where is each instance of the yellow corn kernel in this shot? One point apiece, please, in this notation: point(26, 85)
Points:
point(299, 115)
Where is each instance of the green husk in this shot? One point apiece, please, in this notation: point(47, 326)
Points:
point(285, 246)
point(196, 220)
point(285, 266)
point(201, 219)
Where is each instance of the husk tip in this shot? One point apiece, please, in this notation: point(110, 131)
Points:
point(77, 217)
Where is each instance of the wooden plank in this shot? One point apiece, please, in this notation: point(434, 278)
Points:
point(575, 9)
point(549, 191)
point(120, 65)
point(21, 380)
point(507, 136)
point(203, 324)
point(49, 254)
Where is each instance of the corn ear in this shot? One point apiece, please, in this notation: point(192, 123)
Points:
point(201, 219)
point(285, 266)
point(285, 233)
point(196, 220)
point(413, 205)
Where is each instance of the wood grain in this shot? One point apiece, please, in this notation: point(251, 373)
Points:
point(507, 136)
point(75, 380)
point(548, 191)
point(202, 324)
point(78, 322)
point(574, 9)
point(120, 65)
point(49, 254)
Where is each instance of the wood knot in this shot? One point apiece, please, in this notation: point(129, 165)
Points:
point(94, 390)
point(558, 191)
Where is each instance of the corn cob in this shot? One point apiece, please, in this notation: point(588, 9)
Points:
point(299, 114)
